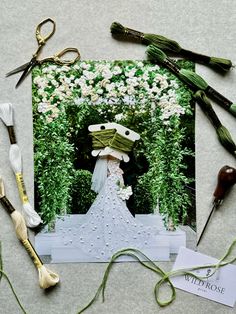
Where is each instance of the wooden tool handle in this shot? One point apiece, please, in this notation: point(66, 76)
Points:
point(226, 179)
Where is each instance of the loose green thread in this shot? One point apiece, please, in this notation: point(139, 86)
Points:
point(1, 262)
point(151, 266)
point(129, 252)
point(165, 275)
point(3, 274)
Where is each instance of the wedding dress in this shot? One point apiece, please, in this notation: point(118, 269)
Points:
point(109, 225)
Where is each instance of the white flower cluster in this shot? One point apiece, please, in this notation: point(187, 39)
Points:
point(170, 107)
point(105, 82)
point(125, 192)
point(169, 110)
point(45, 107)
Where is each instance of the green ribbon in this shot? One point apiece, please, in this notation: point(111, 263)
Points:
point(110, 138)
point(165, 276)
point(149, 264)
point(1, 262)
point(2, 274)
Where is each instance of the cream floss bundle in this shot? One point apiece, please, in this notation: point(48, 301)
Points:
point(47, 278)
point(31, 217)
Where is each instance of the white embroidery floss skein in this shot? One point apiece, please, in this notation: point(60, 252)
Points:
point(47, 278)
point(31, 217)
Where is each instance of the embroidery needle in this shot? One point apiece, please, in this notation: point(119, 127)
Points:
point(226, 179)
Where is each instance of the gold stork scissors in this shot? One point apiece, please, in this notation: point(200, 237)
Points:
point(57, 58)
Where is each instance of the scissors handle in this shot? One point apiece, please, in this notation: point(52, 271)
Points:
point(40, 38)
point(57, 58)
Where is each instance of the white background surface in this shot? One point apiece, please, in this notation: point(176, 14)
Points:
point(204, 26)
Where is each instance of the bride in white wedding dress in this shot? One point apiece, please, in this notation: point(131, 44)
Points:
point(108, 225)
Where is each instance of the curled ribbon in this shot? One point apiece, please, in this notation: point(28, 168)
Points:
point(165, 276)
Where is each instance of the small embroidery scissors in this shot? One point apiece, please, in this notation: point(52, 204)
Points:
point(57, 58)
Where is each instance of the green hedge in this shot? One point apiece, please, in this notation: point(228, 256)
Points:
point(81, 193)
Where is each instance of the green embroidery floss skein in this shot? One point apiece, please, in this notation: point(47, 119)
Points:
point(222, 132)
point(169, 45)
point(192, 79)
point(111, 138)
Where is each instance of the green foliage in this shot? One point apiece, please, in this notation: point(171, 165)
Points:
point(81, 193)
point(54, 170)
point(143, 198)
point(161, 166)
point(79, 121)
point(168, 181)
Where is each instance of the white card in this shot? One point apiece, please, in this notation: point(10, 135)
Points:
point(221, 287)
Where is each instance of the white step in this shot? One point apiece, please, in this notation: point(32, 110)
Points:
point(177, 239)
point(159, 251)
point(45, 241)
point(58, 244)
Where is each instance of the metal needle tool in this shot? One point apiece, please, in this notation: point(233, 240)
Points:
point(226, 179)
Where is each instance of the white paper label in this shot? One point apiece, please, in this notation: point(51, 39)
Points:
point(221, 287)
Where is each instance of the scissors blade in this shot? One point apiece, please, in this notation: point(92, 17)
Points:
point(19, 69)
point(26, 70)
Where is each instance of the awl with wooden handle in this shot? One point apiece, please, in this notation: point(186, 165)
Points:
point(226, 179)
